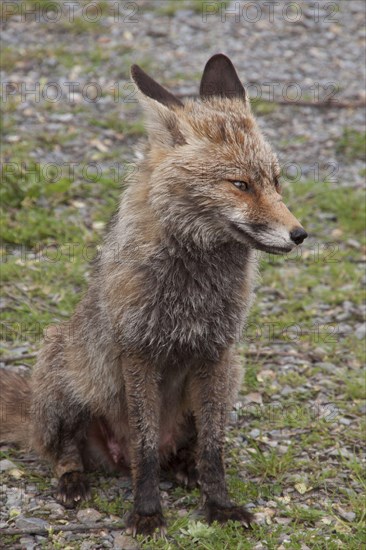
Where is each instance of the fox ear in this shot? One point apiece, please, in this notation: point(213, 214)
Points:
point(220, 79)
point(148, 86)
point(163, 126)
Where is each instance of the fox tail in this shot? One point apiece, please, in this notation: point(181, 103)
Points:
point(15, 401)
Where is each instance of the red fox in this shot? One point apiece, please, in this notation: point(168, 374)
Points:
point(144, 373)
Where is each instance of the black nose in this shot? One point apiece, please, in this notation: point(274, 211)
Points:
point(298, 235)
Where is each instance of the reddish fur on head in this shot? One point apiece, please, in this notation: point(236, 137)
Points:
point(204, 149)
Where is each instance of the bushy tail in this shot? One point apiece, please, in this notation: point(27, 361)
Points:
point(15, 400)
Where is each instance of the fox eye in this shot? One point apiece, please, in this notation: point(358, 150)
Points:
point(277, 185)
point(242, 185)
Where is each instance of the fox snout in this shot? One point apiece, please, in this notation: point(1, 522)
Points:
point(272, 228)
point(284, 225)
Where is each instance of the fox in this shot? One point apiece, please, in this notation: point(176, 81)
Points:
point(143, 375)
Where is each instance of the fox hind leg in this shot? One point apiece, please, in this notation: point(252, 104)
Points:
point(73, 486)
point(59, 434)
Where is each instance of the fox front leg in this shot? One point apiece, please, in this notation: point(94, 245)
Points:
point(209, 391)
point(143, 406)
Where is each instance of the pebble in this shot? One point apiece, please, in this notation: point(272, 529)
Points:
point(165, 485)
point(27, 543)
point(361, 331)
point(328, 367)
point(88, 515)
point(124, 542)
point(23, 522)
point(345, 421)
point(56, 509)
point(348, 516)
point(6, 465)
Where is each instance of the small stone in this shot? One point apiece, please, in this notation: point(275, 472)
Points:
point(165, 485)
point(328, 367)
point(254, 397)
point(57, 511)
point(124, 542)
point(361, 331)
point(31, 523)
point(16, 473)
point(62, 117)
point(6, 465)
point(254, 433)
point(348, 516)
point(353, 243)
point(319, 353)
point(88, 515)
point(27, 543)
point(13, 139)
point(345, 421)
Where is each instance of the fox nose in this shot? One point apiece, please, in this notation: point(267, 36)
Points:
point(298, 235)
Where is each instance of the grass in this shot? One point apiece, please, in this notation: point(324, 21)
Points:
point(352, 144)
point(262, 107)
point(30, 284)
point(170, 7)
point(270, 464)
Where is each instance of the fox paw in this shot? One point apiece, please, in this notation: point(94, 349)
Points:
point(224, 514)
point(72, 489)
point(147, 525)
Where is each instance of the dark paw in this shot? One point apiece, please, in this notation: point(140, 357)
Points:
point(147, 525)
point(72, 489)
point(224, 514)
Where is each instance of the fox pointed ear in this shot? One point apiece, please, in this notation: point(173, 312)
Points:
point(148, 86)
point(163, 126)
point(220, 79)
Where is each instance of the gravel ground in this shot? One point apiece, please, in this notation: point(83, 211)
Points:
point(294, 444)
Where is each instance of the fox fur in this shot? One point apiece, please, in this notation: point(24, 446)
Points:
point(143, 374)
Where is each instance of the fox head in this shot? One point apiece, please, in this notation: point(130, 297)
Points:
point(213, 177)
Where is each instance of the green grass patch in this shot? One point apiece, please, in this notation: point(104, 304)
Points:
point(170, 7)
point(352, 144)
point(262, 107)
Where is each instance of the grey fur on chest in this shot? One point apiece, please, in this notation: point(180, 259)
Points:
point(191, 307)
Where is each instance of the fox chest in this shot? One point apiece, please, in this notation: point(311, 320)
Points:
point(188, 311)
